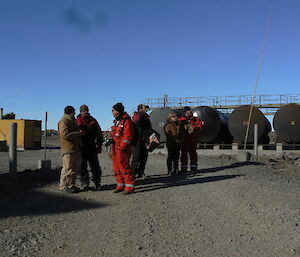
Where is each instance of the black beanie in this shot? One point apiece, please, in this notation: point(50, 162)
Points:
point(186, 108)
point(140, 106)
point(119, 107)
point(84, 107)
point(69, 109)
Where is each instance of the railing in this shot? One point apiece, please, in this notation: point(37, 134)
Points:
point(265, 101)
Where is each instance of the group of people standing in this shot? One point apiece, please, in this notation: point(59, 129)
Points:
point(82, 139)
point(182, 135)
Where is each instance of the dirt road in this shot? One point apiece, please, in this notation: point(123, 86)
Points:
point(224, 209)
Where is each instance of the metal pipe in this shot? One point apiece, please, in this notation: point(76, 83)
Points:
point(256, 141)
point(13, 149)
point(165, 100)
point(45, 136)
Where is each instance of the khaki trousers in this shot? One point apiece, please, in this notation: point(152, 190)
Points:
point(71, 167)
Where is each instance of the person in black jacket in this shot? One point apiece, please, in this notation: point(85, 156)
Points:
point(91, 146)
point(140, 154)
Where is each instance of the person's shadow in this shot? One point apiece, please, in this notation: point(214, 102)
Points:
point(156, 182)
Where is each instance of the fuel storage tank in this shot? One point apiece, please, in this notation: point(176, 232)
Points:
point(286, 123)
point(215, 125)
point(238, 121)
point(158, 118)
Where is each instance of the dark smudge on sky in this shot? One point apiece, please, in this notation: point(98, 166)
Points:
point(84, 24)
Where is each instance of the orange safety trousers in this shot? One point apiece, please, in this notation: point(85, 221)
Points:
point(124, 176)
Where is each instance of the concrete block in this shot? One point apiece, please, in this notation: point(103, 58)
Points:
point(279, 147)
point(235, 146)
point(216, 147)
point(44, 164)
point(243, 156)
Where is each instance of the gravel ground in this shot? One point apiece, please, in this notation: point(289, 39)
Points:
point(227, 208)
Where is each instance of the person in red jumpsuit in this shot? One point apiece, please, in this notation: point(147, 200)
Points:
point(122, 135)
point(190, 127)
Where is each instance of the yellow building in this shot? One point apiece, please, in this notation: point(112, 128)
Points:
point(28, 133)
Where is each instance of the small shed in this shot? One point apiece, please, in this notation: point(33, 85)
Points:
point(28, 132)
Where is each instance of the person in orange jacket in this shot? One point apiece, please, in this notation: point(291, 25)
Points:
point(122, 135)
point(190, 127)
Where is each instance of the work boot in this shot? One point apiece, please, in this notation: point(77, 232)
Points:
point(127, 192)
point(117, 190)
point(183, 171)
point(141, 175)
point(71, 190)
point(173, 173)
point(86, 188)
point(97, 187)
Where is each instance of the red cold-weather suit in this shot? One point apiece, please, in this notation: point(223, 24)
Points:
point(91, 146)
point(189, 129)
point(122, 135)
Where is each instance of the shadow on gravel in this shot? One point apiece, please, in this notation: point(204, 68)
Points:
point(33, 202)
point(233, 165)
point(26, 180)
point(165, 181)
point(216, 169)
point(18, 196)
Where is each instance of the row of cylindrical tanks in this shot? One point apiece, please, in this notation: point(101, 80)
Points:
point(225, 128)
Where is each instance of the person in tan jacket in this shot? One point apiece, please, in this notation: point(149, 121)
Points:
point(172, 132)
point(70, 148)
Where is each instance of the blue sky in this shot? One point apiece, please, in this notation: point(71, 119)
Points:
point(72, 52)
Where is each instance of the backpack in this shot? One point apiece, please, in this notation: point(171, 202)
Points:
point(135, 133)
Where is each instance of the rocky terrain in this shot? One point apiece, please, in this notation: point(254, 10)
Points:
point(226, 208)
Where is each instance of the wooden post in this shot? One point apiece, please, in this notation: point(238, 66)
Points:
point(256, 141)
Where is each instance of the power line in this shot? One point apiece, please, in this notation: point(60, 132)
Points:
point(261, 59)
